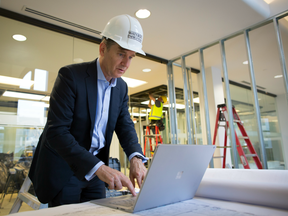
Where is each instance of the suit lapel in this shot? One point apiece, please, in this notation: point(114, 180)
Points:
point(114, 101)
point(91, 86)
point(113, 112)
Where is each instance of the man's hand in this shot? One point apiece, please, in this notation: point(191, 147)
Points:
point(137, 170)
point(115, 179)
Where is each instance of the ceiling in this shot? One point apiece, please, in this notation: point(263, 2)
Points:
point(178, 27)
point(182, 25)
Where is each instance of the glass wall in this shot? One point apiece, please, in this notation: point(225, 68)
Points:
point(192, 106)
point(180, 105)
point(281, 100)
point(270, 90)
point(152, 81)
point(271, 82)
point(238, 71)
point(195, 86)
point(28, 70)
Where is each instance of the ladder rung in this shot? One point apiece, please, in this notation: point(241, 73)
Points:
point(241, 137)
point(151, 125)
point(223, 146)
point(242, 146)
point(152, 136)
point(251, 155)
point(31, 200)
point(218, 157)
point(235, 120)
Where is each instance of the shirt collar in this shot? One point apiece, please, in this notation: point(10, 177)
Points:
point(101, 75)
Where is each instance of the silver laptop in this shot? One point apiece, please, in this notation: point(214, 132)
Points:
point(174, 175)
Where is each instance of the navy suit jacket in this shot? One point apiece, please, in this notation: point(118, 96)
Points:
point(63, 147)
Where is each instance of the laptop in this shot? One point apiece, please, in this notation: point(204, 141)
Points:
point(174, 175)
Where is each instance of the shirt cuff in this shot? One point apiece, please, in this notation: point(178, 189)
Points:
point(144, 159)
point(91, 174)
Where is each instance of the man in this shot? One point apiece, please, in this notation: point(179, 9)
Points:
point(87, 104)
point(155, 115)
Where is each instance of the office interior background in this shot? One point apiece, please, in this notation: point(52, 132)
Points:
point(198, 54)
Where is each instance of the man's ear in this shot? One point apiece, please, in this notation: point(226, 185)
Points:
point(102, 48)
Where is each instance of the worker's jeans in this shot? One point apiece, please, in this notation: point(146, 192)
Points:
point(76, 191)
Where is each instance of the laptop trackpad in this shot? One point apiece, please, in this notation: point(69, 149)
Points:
point(125, 202)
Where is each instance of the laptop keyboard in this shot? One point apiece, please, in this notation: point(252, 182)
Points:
point(127, 202)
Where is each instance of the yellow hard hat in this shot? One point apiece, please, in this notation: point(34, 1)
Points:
point(164, 98)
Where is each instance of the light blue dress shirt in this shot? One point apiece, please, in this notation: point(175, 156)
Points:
point(101, 119)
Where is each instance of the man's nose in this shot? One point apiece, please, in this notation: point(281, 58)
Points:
point(125, 61)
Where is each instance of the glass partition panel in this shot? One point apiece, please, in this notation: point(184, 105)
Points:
point(283, 25)
point(28, 70)
point(192, 61)
point(268, 75)
point(215, 94)
point(282, 106)
point(144, 77)
point(180, 105)
point(242, 99)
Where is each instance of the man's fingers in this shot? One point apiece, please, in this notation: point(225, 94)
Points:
point(130, 187)
point(137, 170)
point(117, 185)
point(139, 181)
point(132, 180)
point(115, 179)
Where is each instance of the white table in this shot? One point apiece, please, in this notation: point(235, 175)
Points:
point(197, 206)
point(246, 192)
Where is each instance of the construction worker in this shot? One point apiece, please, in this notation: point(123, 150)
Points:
point(155, 115)
point(87, 104)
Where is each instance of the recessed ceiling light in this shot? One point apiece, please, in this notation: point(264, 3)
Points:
point(142, 13)
point(178, 106)
point(146, 70)
point(132, 83)
point(78, 60)
point(196, 100)
point(15, 81)
point(268, 1)
point(23, 95)
point(47, 98)
point(19, 37)
point(278, 76)
point(245, 62)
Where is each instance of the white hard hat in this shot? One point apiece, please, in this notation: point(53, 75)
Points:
point(125, 31)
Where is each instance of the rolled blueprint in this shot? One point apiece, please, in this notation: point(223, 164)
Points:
point(260, 187)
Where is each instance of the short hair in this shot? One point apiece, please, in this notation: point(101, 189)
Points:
point(108, 42)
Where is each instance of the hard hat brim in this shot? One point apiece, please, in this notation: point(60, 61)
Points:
point(124, 46)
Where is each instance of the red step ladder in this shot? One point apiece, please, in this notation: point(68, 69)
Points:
point(150, 136)
point(222, 117)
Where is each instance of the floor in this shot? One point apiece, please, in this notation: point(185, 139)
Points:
point(7, 205)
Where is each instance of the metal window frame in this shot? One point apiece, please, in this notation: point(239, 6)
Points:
point(186, 101)
point(172, 104)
